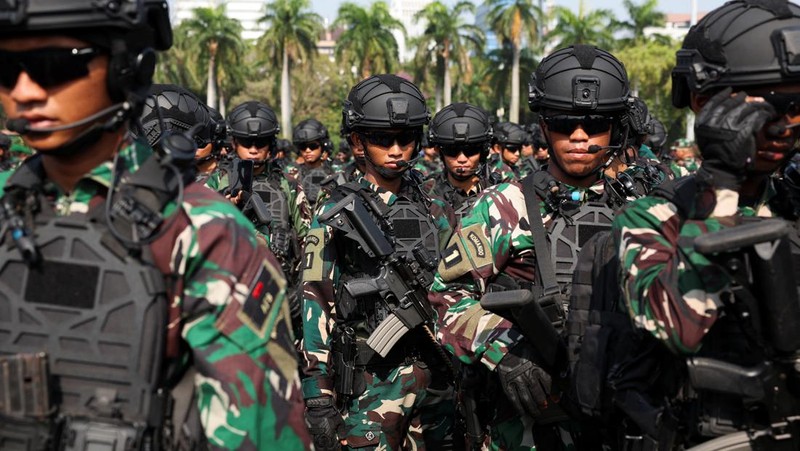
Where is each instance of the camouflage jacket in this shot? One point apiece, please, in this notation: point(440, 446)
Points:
point(494, 239)
point(507, 173)
point(528, 165)
point(323, 270)
point(299, 210)
point(439, 187)
point(247, 381)
point(429, 168)
point(669, 289)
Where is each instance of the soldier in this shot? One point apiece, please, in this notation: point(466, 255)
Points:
point(496, 247)
point(372, 248)
point(207, 158)
point(534, 152)
point(254, 127)
point(128, 320)
point(430, 164)
point(735, 71)
point(507, 140)
point(312, 142)
point(343, 156)
point(461, 134)
point(358, 166)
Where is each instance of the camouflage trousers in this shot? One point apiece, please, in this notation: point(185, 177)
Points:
point(399, 410)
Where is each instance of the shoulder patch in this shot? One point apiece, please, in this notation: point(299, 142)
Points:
point(267, 287)
point(312, 255)
point(467, 250)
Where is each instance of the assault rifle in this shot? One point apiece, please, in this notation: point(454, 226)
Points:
point(403, 280)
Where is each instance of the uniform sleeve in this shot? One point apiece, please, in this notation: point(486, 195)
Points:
point(670, 290)
point(318, 310)
point(299, 210)
point(479, 249)
point(238, 328)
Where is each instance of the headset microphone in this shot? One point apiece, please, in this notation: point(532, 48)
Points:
point(22, 126)
point(594, 148)
point(409, 163)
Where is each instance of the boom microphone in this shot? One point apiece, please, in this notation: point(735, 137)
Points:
point(407, 164)
point(594, 148)
point(22, 126)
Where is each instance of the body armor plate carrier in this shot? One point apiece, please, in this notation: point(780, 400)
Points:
point(96, 318)
point(568, 235)
point(311, 180)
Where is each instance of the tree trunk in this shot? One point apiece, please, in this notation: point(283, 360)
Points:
point(446, 62)
point(447, 87)
point(513, 114)
point(438, 102)
point(221, 108)
point(211, 87)
point(286, 96)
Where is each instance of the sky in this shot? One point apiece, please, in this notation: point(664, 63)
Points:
point(327, 8)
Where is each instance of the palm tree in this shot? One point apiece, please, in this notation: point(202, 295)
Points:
point(594, 27)
point(641, 17)
point(216, 39)
point(178, 64)
point(367, 41)
point(448, 37)
point(291, 37)
point(515, 22)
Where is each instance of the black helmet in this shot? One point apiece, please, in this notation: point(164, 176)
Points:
point(253, 120)
point(579, 78)
point(537, 139)
point(312, 130)
point(127, 29)
point(384, 101)
point(509, 133)
point(460, 123)
point(170, 107)
point(741, 43)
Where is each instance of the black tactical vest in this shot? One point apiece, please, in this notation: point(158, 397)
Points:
point(311, 180)
point(82, 331)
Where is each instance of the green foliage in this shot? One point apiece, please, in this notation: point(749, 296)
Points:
point(594, 27)
point(649, 65)
point(367, 42)
point(290, 26)
point(445, 45)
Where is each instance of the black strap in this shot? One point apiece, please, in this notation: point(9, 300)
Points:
point(544, 264)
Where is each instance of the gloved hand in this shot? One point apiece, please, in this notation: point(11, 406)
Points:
point(323, 421)
point(525, 384)
point(726, 130)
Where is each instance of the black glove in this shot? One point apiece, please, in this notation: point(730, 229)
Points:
point(324, 421)
point(726, 130)
point(525, 384)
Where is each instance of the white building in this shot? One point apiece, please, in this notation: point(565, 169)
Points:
point(245, 11)
point(676, 26)
point(404, 11)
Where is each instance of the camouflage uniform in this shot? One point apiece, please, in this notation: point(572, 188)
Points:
point(678, 300)
point(528, 165)
point(461, 202)
point(505, 172)
point(387, 413)
point(494, 243)
point(299, 211)
point(247, 381)
point(429, 168)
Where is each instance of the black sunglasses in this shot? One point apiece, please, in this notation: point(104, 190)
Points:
point(48, 67)
point(454, 151)
point(592, 124)
point(312, 145)
point(513, 148)
point(388, 139)
point(253, 142)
